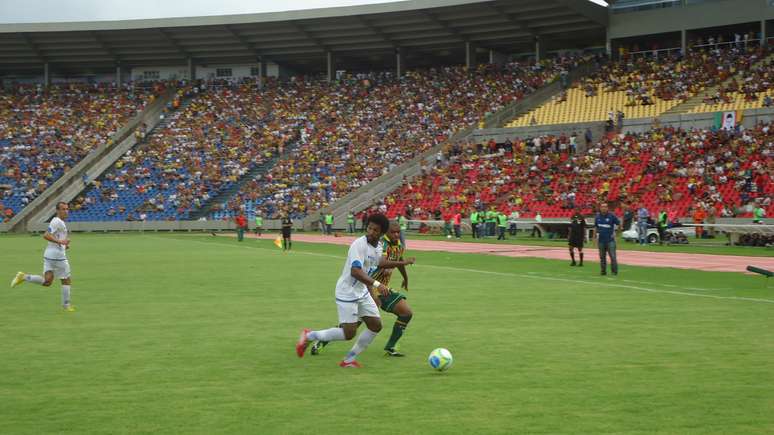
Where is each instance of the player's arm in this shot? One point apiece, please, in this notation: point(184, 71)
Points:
point(357, 272)
point(389, 264)
point(50, 237)
point(403, 272)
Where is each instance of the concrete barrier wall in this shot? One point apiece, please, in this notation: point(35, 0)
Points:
point(268, 225)
point(157, 226)
point(695, 120)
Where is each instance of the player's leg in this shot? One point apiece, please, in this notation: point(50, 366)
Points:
point(62, 272)
point(603, 258)
point(22, 277)
point(613, 259)
point(404, 313)
point(348, 323)
point(580, 254)
point(572, 255)
point(369, 313)
point(66, 301)
point(318, 345)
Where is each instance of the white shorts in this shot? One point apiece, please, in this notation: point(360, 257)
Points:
point(352, 312)
point(61, 268)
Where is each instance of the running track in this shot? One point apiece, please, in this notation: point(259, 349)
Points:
point(706, 262)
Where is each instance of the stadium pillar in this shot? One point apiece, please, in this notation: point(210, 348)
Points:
point(46, 76)
point(470, 55)
point(399, 62)
point(763, 33)
point(191, 69)
point(540, 49)
point(261, 73)
point(684, 41)
point(118, 75)
point(329, 65)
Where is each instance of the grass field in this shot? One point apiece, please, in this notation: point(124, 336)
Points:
point(194, 334)
point(715, 246)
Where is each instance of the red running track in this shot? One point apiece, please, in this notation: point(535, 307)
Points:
point(706, 262)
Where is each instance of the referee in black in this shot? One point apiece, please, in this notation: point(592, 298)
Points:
point(577, 236)
point(287, 227)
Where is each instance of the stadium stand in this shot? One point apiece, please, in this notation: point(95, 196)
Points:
point(375, 122)
point(44, 132)
point(642, 86)
point(216, 132)
point(675, 170)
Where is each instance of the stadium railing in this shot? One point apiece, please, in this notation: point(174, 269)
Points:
point(704, 120)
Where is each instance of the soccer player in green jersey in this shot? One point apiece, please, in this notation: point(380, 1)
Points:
point(395, 302)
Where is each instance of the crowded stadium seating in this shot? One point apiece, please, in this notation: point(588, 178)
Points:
point(747, 91)
point(642, 86)
point(213, 135)
point(364, 125)
point(44, 132)
point(674, 170)
point(227, 128)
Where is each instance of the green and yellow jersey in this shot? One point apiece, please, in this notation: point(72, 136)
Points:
point(390, 251)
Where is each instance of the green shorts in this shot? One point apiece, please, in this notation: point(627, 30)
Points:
point(389, 302)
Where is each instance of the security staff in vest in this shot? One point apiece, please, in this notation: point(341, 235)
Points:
point(329, 223)
point(605, 224)
point(663, 222)
point(474, 223)
point(502, 223)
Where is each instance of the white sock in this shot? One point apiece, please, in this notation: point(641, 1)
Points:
point(65, 295)
point(332, 334)
point(37, 279)
point(362, 342)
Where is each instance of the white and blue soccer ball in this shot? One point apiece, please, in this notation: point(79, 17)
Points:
point(440, 359)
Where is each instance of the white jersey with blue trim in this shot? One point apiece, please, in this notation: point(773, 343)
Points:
point(55, 251)
point(365, 256)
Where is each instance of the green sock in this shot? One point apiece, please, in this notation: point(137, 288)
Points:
point(397, 331)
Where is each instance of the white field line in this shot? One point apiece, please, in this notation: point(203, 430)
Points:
point(603, 283)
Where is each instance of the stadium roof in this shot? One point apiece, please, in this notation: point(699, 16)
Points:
point(426, 31)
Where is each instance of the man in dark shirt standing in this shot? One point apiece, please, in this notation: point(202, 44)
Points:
point(287, 226)
point(605, 224)
point(577, 236)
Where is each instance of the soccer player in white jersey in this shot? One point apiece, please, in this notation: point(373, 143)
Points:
point(353, 294)
point(55, 264)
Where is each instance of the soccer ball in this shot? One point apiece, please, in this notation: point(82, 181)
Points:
point(448, 236)
point(440, 359)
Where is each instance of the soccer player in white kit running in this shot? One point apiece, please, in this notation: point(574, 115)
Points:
point(353, 297)
point(55, 264)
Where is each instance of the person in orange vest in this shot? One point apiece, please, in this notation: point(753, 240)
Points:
point(457, 219)
point(241, 224)
point(698, 218)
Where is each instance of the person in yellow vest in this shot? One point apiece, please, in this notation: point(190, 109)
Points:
point(474, 220)
point(502, 223)
point(351, 221)
point(329, 223)
point(403, 224)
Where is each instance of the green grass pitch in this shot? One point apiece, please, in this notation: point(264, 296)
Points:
point(194, 334)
